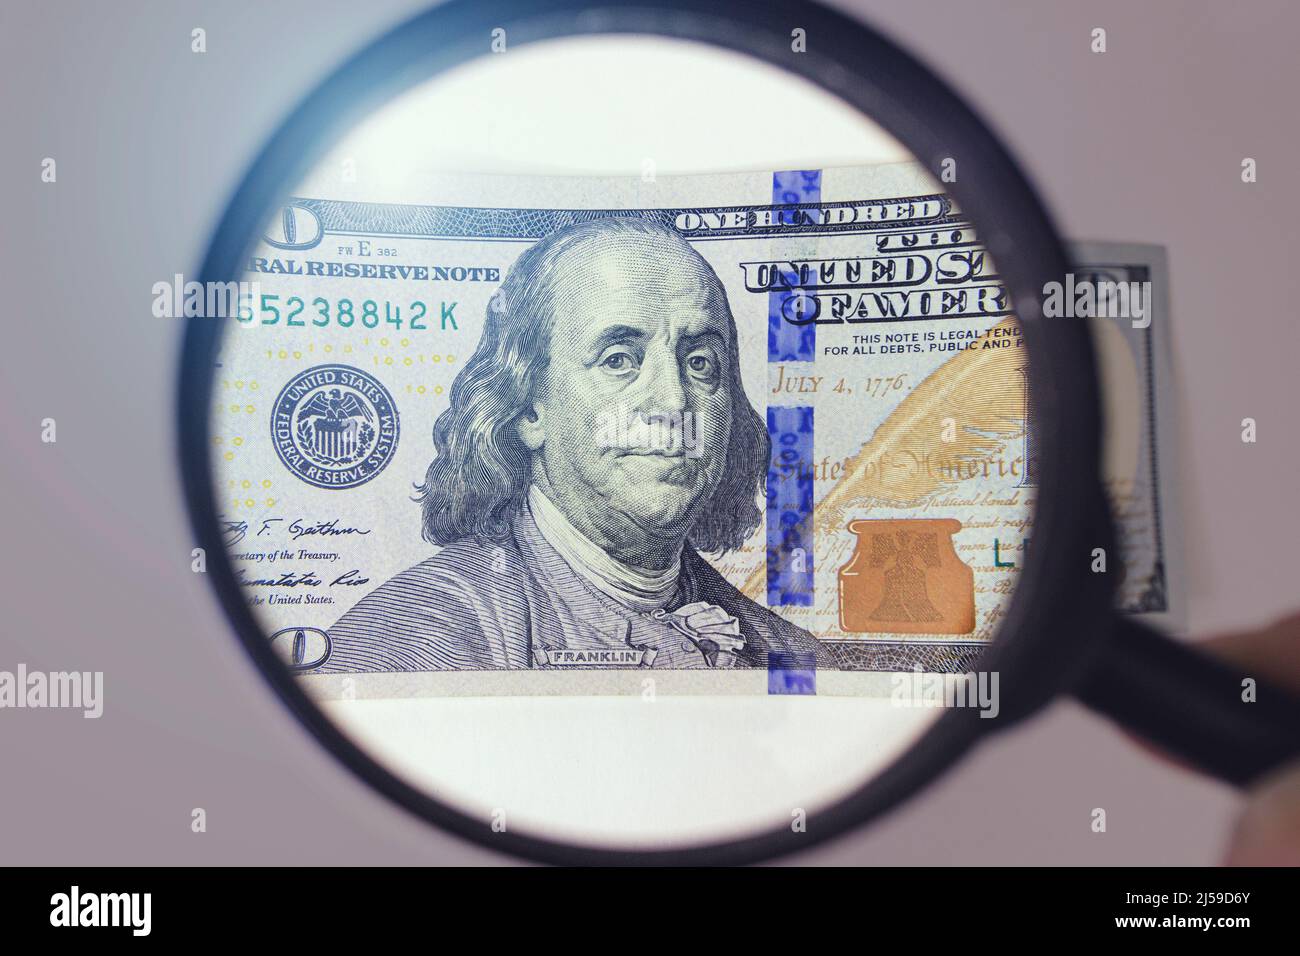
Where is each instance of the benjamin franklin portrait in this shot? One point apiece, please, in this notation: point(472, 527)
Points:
point(598, 441)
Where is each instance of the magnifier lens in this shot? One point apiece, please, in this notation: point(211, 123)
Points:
point(626, 443)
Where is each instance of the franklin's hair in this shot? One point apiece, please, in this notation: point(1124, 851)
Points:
point(481, 469)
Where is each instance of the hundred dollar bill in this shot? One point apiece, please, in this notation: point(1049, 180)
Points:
point(1141, 463)
point(754, 433)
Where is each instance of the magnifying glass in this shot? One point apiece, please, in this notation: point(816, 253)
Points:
point(642, 434)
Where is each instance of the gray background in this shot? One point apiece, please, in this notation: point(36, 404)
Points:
point(1143, 143)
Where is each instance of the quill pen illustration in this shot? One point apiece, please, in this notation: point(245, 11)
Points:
point(966, 410)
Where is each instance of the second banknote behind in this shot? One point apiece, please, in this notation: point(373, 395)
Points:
point(761, 432)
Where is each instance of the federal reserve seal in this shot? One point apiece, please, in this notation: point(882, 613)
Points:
point(334, 426)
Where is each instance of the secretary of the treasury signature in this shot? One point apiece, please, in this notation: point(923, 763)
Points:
point(236, 531)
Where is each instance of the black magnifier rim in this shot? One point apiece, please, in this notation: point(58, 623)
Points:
point(1046, 639)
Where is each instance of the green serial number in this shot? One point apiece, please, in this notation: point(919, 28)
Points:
point(296, 312)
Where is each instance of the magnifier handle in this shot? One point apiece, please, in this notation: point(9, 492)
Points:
point(1192, 705)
